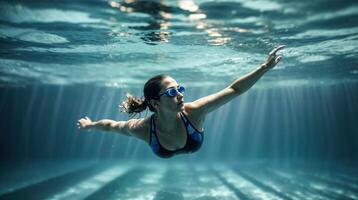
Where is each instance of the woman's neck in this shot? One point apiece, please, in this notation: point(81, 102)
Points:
point(166, 121)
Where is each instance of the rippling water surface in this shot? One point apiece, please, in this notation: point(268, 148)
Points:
point(204, 42)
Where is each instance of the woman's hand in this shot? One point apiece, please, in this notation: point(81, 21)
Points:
point(273, 59)
point(84, 123)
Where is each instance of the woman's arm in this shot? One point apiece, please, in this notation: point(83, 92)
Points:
point(209, 103)
point(132, 127)
point(122, 127)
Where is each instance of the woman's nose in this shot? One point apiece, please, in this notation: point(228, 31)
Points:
point(180, 96)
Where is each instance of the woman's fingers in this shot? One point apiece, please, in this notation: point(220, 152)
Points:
point(84, 119)
point(80, 123)
point(278, 59)
point(273, 52)
point(83, 122)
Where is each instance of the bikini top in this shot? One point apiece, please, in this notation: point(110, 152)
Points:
point(193, 142)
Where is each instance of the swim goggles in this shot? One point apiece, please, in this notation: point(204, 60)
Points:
point(172, 92)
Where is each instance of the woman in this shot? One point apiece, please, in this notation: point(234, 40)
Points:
point(175, 127)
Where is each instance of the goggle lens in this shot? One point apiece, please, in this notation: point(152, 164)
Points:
point(174, 91)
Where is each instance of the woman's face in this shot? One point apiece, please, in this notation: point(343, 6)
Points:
point(175, 103)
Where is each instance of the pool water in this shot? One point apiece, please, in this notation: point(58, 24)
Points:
point(122, 43)
point(293, 135)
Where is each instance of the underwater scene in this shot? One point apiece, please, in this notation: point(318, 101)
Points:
point(278, 124)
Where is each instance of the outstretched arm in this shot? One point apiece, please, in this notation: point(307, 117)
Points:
point(246, 82)
point(122, 127)
point(209, 103)
point(132, 127)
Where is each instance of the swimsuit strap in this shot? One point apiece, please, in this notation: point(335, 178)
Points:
point(152, 127)
point(153, 141)
point(192, 132)
point(185, 120)
point(191, 129)
point(151, 130)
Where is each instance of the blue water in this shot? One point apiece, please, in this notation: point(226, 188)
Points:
point(292, 136)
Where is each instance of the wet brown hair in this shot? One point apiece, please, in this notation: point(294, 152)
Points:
point(133, 105)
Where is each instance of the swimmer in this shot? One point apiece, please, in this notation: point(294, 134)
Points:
point(175, 127)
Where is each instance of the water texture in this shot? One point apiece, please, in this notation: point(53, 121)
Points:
point(121, 44)
point(293, 135)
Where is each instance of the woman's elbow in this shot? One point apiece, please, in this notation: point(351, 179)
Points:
point(122, 127)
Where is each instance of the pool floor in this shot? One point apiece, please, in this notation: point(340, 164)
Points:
point(142, 180)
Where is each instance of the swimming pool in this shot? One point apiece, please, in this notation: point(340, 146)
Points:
point(293, 135)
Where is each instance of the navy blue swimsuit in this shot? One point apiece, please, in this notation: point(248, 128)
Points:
point(193, 142)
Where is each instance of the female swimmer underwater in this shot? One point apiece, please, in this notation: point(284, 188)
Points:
point(175, 127)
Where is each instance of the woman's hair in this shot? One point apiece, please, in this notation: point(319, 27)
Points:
point(152, 87)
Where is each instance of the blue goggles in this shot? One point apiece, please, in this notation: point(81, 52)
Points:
point(172, 92)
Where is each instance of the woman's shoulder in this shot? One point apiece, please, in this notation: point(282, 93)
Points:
point(139, 128)
point(191, 110)
point(196, 118)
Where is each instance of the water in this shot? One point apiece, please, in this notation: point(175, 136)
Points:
point(292, 136)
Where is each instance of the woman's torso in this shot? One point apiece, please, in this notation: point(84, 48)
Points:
point(166, 145)
point(175, 140)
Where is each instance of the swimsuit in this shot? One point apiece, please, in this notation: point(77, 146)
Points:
point(193, 142)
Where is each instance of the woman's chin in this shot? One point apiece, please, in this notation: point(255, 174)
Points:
point(181, 107)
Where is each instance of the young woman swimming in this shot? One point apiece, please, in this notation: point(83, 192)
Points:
point(175, 127)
